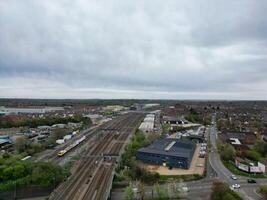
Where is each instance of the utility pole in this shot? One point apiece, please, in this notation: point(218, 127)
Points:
point(54, 179)
point(15, 191)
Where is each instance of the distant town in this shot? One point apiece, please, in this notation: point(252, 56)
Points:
point(132, 149)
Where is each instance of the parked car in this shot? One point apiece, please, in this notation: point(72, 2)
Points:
point(251, 181)
point(233, 177)
point(185, 189)
point(236, 186)
point(51, 146)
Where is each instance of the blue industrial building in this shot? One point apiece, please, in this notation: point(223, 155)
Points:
point(168, 152)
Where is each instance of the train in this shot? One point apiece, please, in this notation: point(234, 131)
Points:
point(67, 149)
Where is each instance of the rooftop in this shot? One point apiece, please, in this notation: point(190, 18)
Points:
point(171, 147)
point(244, 138)
point(235, 141)
point(147, 126)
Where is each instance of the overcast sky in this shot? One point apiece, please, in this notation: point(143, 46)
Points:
point(180, 49)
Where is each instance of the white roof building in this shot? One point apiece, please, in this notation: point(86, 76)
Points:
point(29, 110)
point(235, 141)
point(148, 124)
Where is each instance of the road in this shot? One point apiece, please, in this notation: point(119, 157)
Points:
point(247, 191)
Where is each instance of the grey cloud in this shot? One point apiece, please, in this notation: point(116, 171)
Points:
point(180, 49)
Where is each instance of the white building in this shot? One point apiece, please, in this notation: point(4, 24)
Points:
point(7, 111)
point(148, 124)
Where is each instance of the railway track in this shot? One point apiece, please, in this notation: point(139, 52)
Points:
point(97, 185)
point(107, 176)
point(52, 156)
point(94, 172)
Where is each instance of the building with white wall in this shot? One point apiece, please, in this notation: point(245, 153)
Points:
point(41, 110)
point(148, 124)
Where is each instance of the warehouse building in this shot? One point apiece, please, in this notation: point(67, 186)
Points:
point(42, 110)
point(168, 152)
point(148, 124)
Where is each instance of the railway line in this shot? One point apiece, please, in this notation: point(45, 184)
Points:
point(92, 132)
point(94, 175)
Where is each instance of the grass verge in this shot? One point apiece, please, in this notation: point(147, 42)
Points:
point(193, 177)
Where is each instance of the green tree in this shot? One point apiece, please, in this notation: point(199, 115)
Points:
point(20, 173)
point(253, 155)
point(47, 173)
point(221, 191)
point(161, 192)
point(228, 152)
point(261, 147)
point(129, 193)
point(166, 128)
point(58, 133)
point(21, 144)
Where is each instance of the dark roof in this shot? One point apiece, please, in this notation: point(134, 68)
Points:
point(243, 137)
point(170, 118)
point(179, 148)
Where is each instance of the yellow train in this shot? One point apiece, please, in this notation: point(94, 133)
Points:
point(62, 152)
point(76, 143)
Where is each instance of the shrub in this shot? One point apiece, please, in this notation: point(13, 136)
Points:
point(20, 173)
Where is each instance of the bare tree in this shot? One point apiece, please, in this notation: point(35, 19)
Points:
point(141, 189)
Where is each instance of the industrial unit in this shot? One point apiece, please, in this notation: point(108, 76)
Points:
point(41, 110)
point(148, 124)
point(168, 152)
